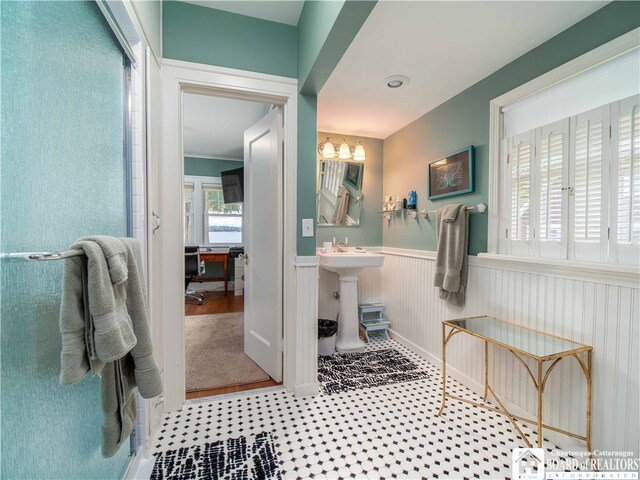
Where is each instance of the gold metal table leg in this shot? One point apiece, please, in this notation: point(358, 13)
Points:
point(539, 387)
point(486, 369)
point(589, 377)
point(444, 369)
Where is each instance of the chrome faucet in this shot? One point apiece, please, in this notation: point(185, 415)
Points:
point(343, 246)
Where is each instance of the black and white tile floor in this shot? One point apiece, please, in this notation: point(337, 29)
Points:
point(389, 431)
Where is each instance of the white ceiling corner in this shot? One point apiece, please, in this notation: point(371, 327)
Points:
point(214, 126)
point(281, 11)
point(444, 47)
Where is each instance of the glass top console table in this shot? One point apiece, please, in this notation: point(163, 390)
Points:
point(544, 349)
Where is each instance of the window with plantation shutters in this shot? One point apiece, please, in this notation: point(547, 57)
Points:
point(552, 174)
point(629, 177)
point(589, 189)
point(519, 162)
point(626, 146)
point(573, 187)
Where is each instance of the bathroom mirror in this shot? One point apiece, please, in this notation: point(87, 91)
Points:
point(339, 194)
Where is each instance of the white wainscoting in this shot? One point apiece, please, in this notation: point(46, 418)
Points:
point(303, 374)
point(604, 315)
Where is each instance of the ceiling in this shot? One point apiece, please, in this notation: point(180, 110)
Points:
point(443, 47)
point(281, 11)
point(214, 126)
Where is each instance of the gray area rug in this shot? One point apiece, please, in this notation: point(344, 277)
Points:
point(214, 351)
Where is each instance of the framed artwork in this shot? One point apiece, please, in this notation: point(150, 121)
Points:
point(353, 174)
point(452, 175)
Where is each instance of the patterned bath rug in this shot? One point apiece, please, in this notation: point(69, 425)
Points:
point(242, 458)
point(372, 368)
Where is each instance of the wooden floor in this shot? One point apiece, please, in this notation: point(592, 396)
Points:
point(215, 302)
point(218, 302)
point(232, 389)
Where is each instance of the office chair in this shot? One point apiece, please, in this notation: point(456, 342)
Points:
point(192, 268)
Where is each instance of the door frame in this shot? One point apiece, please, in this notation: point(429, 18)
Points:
point(179, 77)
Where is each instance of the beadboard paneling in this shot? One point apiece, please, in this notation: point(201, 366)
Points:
point(603, 315)
point(303, 377)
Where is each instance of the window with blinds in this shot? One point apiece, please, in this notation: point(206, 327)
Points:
point(550, 187)
point(629, 176)
point(520, 189)
point(574, 187)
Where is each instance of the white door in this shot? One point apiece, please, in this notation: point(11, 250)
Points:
point(263, 243)
point(155, 232)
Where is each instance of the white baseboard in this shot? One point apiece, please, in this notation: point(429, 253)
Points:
point(565, 442)
point(306, 389)
point(140, 467)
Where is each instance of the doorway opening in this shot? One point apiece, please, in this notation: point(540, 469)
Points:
point(232, 186)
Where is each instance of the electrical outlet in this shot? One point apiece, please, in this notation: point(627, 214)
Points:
point(307, 227)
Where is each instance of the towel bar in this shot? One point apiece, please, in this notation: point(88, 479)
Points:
point(480, 208)
point(37, 256)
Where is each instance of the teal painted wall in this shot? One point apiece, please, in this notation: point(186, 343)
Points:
point(62, 177)
point(369, 232)
point(208, 167)
point(325, 30)
point(464, 120)
point(316, 20)
point(206, 35)
point(307, 134)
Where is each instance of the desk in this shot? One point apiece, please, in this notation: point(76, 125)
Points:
point(520, 341)
point(222, 257)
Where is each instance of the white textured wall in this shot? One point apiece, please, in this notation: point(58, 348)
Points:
point(605, 316)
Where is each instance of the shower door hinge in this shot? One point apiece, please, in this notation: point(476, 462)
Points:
point(609, 233)
point(506, 233)
point(507, 158)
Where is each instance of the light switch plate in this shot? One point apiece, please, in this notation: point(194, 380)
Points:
point(307, 227)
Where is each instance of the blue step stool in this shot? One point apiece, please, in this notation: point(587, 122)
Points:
point(372, 320)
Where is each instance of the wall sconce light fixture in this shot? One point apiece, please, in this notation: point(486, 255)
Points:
point(344, 151)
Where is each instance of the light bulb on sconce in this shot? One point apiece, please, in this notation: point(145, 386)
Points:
point(327, 149)
point(358, 153)
point(344, 151)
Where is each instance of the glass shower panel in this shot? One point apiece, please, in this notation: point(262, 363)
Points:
point(62, 177)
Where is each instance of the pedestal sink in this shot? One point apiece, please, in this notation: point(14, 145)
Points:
point(347, 265)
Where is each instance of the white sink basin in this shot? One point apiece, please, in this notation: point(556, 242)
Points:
point(350, 262)
point(347, 265)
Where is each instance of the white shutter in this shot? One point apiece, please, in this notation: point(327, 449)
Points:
point(590, 185)
point(552, 173)
point(626, 169)
point(520, 171)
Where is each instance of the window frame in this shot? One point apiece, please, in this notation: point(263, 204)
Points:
point(205, 215)
point(200, 214)
point(497, 157)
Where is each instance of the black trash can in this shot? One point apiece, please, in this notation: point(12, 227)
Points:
point(327, 330)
